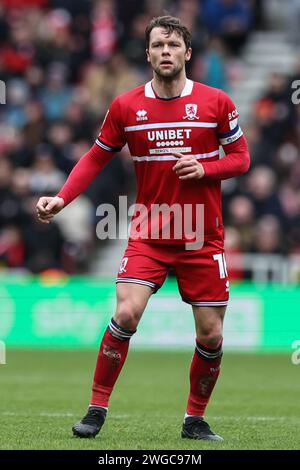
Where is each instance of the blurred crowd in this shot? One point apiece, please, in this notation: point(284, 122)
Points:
point(63, 61)
point(262, 208)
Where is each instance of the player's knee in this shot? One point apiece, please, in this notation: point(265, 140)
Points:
point(127, 315)
point(211, 338)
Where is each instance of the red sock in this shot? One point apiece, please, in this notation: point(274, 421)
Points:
point(204, 372)
point(112, 354)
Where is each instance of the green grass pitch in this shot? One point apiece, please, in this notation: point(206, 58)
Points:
point(255, 404)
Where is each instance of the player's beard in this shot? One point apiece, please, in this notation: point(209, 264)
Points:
point(168, 75)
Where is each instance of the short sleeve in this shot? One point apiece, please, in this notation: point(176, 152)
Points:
point(228, 124)
point(111, 136)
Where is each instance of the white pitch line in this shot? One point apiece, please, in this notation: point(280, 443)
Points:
point(57, 415)
point(126, 416)
point(51, 415)
point(255, 418)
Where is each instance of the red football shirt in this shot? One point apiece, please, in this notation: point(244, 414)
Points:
point(195, 123)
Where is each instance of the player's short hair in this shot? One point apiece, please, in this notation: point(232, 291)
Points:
point(170, 24)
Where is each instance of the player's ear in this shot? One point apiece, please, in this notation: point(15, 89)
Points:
point(147, 54)
point(188, 54)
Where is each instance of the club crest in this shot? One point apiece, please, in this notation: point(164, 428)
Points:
point(191, 112)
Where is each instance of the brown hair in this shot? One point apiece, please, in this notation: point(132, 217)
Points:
point(170, 24)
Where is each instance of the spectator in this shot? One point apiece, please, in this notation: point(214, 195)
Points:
point(268, 236)
point(229, 19)
point(56, 95)
point(64, 61)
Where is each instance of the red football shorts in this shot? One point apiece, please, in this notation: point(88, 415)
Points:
point(201, 274)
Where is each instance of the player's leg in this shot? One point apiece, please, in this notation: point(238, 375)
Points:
point(203, 283)
point(131, 303)
point(142, 271)
point(205, 367)
point(204, 370)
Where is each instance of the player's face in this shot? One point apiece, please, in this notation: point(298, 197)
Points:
point(167, 53)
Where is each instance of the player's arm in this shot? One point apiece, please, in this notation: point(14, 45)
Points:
point(82, 175)
point(88, 167)
point(237, 159)
point(235, 162)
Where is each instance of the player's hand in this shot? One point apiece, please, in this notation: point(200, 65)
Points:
point(48, 207)
point(188, 167)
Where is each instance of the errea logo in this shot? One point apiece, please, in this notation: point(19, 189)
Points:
point(141, 115)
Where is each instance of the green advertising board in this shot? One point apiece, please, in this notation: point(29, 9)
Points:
point(74, 312)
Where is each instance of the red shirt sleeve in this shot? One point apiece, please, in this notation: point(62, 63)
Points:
point(110, 140)
point(84, 172)
point(228, 120)
point(237, 159)
point(112, 135)
point(234, 163)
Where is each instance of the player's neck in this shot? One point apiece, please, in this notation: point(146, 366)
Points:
point(168, 89)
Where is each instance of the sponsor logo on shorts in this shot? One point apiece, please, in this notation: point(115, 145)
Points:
point(123, 265)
